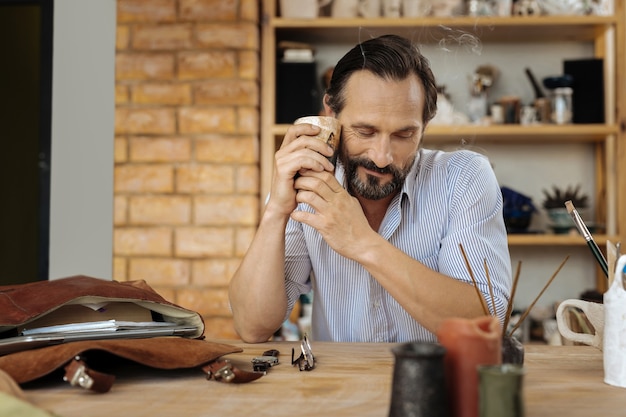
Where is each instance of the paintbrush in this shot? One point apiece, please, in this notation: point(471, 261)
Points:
point(519, 322)
point(582, 228)
point(471, 273)
point(509, 308)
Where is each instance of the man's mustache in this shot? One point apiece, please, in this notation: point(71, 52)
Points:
point(370, 165)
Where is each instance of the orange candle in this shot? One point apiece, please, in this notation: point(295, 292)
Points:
point(469, 343)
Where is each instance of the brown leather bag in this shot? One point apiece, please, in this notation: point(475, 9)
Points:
point(72, 300)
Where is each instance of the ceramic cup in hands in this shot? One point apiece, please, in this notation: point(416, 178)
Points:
point(330, 130)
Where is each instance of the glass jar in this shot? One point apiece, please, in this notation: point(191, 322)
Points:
point(562, 105)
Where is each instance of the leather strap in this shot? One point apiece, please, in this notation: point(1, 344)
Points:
point(223, 370)
point(79, 375)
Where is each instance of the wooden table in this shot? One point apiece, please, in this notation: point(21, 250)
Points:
point(349, 380)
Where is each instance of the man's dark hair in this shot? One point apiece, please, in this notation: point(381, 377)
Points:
point(390, 57)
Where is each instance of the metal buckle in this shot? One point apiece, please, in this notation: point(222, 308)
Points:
point(224, 373)
point(79, 377)
point(263, 363)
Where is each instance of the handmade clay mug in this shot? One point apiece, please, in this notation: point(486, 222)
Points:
point(595, 315)
point(330, 130)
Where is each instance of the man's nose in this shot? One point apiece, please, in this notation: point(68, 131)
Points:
point(380, 152)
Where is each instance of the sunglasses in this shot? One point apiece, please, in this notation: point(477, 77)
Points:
point(306, 360)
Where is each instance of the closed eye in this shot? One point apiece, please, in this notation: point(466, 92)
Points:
point(405, 134)
point(365, 132)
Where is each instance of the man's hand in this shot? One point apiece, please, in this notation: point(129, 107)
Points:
point(338, 216)
point(300, 152)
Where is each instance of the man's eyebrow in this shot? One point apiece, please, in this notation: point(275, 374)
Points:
point(363, 125)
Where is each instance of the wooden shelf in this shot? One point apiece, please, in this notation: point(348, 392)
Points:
point(455, 29)
point(509, 133)
point(556, 240)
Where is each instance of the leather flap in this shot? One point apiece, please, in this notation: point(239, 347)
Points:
point(24, 303)
point(158, 352)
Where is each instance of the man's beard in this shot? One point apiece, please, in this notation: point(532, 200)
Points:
point(371, 188)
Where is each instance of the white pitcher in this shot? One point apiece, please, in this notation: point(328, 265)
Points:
point(614, 346)
point(301, 9)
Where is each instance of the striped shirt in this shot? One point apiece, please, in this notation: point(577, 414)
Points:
point(448, 198)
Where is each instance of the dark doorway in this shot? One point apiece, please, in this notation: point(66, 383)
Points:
point(25, 137)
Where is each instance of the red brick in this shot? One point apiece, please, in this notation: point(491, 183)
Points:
point(161, 93)
point(121, 94)
point(119, 268)
point(144, 178)
point(122, 37)
point(160, 149)
point(159, 210)
point(215, 179)
point(198, 65)
point(227, 149)
point(142, 241)
point(249, 10)
point(120, 210)
point(236, 92)
point(160, 271)
point(200, 242)
point(146, 11)
point(206, 120)
point(233, 35)
point(211, 10)
point(248, 65)
point(162, 37)
point(144, 121)
point(210, 302)
point(226, 210)
point(222, 328)
point(247, 181)
point(248, 120)
point(120, 149)
point(213, 272)
point(144, 66)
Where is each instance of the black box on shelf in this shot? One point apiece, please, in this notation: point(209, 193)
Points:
point(297, 91)
point(588, 89)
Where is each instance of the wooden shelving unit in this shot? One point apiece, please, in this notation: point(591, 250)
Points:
point(606, 33)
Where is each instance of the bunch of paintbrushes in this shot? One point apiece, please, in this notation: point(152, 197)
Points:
point(512, 296)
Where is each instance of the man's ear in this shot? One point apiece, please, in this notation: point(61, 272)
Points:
point(327, 111)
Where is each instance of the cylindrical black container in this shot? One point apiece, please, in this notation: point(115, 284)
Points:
point(419, 386)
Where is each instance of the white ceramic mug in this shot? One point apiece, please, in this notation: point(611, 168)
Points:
point(594, 313)
point(345, 8)
point(416, 8)
point(369, 8)
point(614, 346)
point(301, 9)
point(391, 8)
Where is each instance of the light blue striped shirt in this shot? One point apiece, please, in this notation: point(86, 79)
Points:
point(449, 198)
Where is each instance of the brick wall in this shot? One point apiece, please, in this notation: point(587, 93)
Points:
point(186, 148)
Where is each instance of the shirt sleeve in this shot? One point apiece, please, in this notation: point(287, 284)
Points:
point(476, 222)
point(297, 264)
